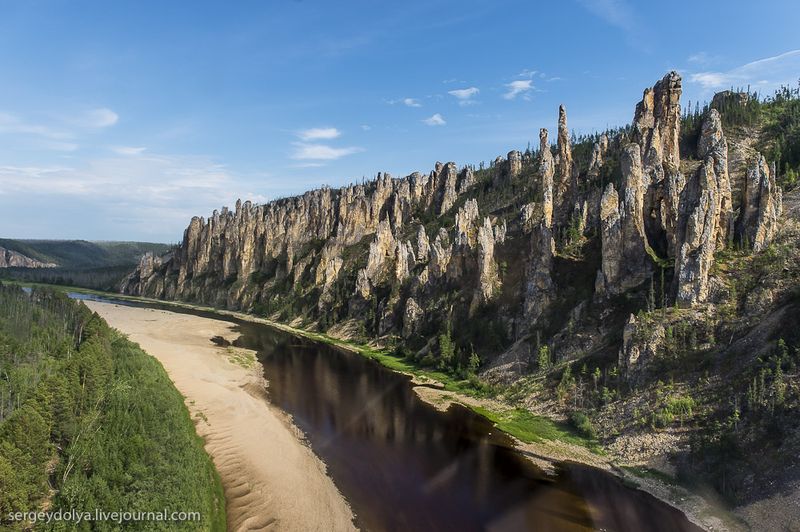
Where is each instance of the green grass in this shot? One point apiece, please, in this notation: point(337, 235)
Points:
point(530, 428)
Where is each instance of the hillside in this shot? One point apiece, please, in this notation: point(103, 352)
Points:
point(642, 283)
point(88, 420)
point(82, 254)
point(96, 265)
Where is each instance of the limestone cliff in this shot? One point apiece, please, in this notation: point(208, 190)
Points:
point(532, 244)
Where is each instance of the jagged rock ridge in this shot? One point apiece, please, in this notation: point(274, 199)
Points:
point(485, 250)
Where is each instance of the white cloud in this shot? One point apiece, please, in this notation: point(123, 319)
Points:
point(324, 152)
point(770, 72)
point(152, 178)
point(435, 120)
point(320, 133)
point(528, 73)
point(465, 96)
point(365, 127)
point(411, 102)
point(100, 118)
point(12, 124)
point(307, 165)
point(128, 150)
point(142, 196)
point(515, 88)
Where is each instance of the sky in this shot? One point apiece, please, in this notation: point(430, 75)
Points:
point(122, 120)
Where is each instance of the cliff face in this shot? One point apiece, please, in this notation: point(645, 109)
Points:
point(14, 259)
point(499, 255)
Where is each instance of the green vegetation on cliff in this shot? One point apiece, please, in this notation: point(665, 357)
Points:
point(88, 420)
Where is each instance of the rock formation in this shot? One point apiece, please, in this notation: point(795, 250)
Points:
point(427, 249)
point(14, 259)
point(599, 150)
point(547, 171)
point(565, 170)
point(626, 262)
point(761, 206)
point(705, 214)
point(514, 162)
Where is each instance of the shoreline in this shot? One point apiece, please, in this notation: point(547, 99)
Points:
point(282, 484)
point(544, 452)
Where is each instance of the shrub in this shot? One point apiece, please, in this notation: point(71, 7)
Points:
point(583, 424)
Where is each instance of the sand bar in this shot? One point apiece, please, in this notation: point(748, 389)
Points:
point(272, 479)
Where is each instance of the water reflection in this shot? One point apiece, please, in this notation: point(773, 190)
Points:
point(405, 466)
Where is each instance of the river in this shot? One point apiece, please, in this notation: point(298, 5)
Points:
point(404, 465)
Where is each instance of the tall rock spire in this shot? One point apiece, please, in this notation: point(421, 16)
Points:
point(547, 170)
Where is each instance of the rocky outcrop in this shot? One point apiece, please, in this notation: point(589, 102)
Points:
point(453, 244)
point(641, 343)
point(656, 129)
point(514, 162)
point(564, 163)
point(412, 318)
point(449, 180)
point(761, 206)
point(705, 215)
point(599, 150)
point(15, 259)
point(487, 268)
point(564, 146)
point(540, 290)
point(656, 123)
point(465, 230)
point(404, 260)
point(441, 252)
point(423, 244)
point(625, 260)
point(547, 171)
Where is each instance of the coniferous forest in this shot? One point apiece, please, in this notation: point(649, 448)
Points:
point(88, 420)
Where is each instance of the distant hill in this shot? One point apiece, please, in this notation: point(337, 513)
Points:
point(83, 254)
point(97, 265)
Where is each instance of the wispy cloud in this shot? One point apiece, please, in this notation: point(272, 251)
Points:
point(99, 118)
point(465, 96)
point(319, 133)
point(518, 87)
point(703, 59)
point(408, 102)
point(10, 123)
point(527, 73)
point(365, 127)
point(322, 152)
point(128, 150)
point(435, 120)
point(769, 72)
point(149, 194)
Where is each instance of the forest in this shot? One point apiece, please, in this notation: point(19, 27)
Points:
point(89, 420)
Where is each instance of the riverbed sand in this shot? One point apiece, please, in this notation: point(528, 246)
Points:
point(272, 479)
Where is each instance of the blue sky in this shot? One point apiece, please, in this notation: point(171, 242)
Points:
point(121, 120)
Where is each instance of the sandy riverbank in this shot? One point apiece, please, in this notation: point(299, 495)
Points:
point(272, 479)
